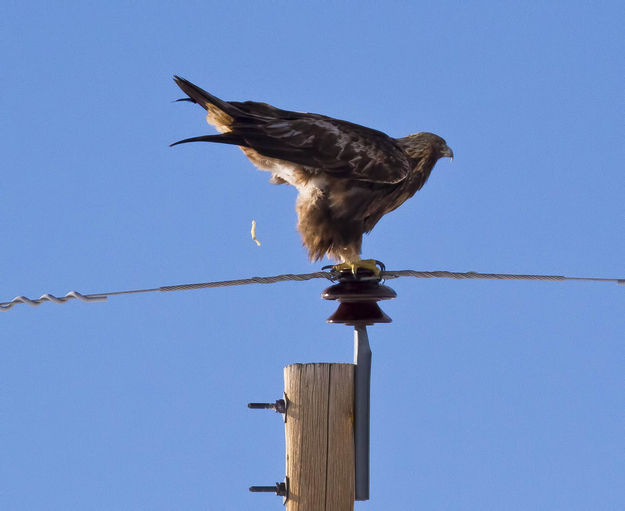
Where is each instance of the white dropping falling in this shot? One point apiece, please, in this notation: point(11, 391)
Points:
point(253, 231)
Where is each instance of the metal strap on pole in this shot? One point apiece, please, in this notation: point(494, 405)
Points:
point(362, 393)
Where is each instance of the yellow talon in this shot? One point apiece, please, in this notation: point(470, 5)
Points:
point(367, 264)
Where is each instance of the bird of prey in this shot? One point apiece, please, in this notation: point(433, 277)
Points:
point(347, 176)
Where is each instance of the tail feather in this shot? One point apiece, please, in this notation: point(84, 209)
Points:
point(224, 138)
point(203, 98)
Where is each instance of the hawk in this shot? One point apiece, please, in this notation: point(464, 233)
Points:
point(347, 176)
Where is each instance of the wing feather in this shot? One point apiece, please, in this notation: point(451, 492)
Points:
point(338, 147)
point(316, 142)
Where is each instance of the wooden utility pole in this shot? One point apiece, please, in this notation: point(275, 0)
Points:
point(319, 436)
point(326, 409)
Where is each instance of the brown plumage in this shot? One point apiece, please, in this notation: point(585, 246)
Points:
point(348, 176)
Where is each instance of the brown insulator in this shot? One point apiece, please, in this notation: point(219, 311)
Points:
point(358, 296)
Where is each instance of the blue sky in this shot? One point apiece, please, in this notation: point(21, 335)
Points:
point(486, 394)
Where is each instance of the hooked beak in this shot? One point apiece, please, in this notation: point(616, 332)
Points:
point(447, 153)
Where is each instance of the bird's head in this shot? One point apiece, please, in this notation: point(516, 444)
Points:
point(425, 145)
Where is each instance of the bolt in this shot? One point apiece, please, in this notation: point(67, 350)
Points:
point(279, 489)
point(279, 406)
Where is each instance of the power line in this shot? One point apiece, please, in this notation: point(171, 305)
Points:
point(393, 274)
point(101, 297)
point(495, 276)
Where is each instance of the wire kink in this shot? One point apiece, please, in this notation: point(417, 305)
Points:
point(51, 298)
point(392, 274)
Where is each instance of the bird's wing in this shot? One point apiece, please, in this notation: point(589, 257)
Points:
point(337, 147)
